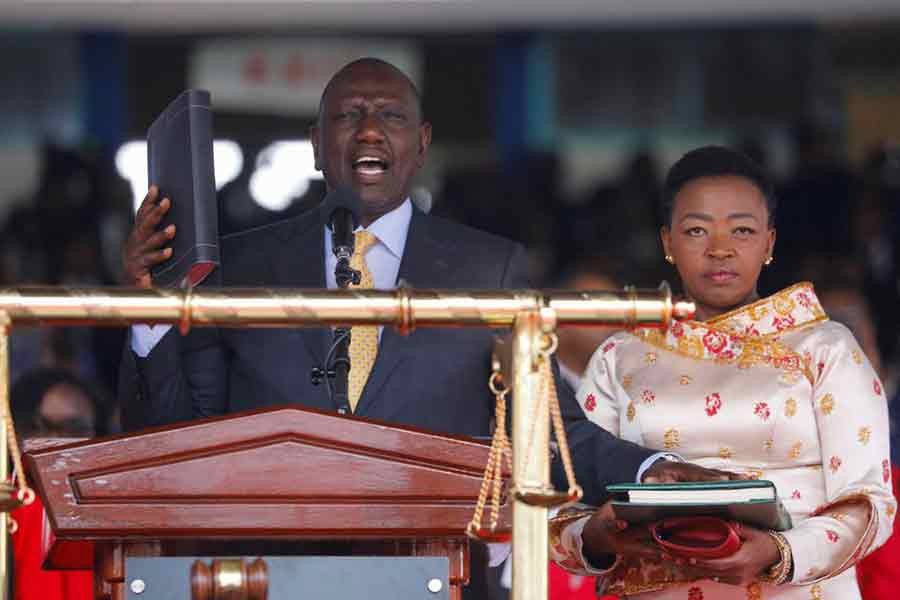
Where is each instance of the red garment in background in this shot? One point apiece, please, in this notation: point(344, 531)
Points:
point(31, 581)
point(566, 586)
point(879, 573)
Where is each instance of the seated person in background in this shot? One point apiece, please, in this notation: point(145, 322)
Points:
point(768, 387)
point(577, 344)
point(48, 403)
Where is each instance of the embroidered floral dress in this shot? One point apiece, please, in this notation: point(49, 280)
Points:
point(774, 389)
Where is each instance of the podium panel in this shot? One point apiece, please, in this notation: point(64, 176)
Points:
point(309, 577)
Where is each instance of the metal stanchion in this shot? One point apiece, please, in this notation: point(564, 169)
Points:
point(531, 461)
point(531, 314)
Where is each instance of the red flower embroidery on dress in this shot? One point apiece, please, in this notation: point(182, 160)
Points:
point(713, 404)
point(761, 410)
point(790, 362)
point(590, 403)
point(695, 593)
point(714, 341)
point(608, 347)
point(876, 385)
point(751, 330)
point(833, 537)
point(795, 495)
point(835, 463)
point(648, 397)
point(804, 300)
point(782, 323)
point(821, 367)
point(678, 330)
point(886, 470)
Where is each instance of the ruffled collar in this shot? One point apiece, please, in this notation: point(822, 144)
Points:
point(748, 335)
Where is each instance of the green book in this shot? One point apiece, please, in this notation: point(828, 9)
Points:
point(754, 502)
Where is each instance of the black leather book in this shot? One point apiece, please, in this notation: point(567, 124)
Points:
point(180, 162)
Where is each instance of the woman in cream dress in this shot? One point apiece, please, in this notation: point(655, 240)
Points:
point(766, 387)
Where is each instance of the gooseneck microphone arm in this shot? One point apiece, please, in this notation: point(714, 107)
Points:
point(340, 211)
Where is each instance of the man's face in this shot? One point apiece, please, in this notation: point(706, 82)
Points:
point(370, 136)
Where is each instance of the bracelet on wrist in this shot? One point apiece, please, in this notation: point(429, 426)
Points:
point(781, 570)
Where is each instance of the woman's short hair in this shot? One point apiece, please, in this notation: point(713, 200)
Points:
point(715, 161)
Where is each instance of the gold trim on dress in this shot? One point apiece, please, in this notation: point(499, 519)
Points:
point(730, 339)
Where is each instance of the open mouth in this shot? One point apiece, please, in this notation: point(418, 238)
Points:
point(370, 166)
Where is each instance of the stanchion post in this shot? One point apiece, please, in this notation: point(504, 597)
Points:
point(531, 463)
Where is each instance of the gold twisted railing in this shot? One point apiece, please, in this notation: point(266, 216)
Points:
point(530, 314)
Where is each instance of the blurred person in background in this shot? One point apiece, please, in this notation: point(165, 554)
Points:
point(618, 216)
point(814, 215)
point(49, 403)
point(577, 344)
point(52, 402)
point(842, 298)
point(768, 387)
point(61, 235)
point(875, 228)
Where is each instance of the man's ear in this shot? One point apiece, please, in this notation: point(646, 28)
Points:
point(314, 140)
point(771, 246)
point(424, 143)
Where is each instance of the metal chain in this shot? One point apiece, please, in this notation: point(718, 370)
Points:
point(24, 495)
point(574, 492)
point(499, 454)
point(501, 451)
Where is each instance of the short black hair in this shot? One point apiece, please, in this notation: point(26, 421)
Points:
point(372, 62)
point(715, 161)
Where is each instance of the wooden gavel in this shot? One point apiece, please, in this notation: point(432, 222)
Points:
point(230, 579)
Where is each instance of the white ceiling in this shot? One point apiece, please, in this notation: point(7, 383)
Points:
point(423, 15)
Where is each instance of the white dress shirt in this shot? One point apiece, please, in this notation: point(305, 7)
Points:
point(383, 260)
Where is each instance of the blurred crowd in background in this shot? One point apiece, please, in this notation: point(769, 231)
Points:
point(496, 165)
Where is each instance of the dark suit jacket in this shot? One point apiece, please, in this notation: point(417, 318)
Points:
point(435, 378)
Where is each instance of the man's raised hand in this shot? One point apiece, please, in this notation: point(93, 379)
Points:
point(145, 246)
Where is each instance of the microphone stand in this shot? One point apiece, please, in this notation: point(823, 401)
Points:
point(340, 212)
point(340, 345)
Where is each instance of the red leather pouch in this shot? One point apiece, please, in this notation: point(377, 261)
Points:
point(697, 537)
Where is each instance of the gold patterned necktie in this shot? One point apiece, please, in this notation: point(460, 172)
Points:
point(363, 338)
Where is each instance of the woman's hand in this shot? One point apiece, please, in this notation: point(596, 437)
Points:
point(758, 552)
point(605, 536)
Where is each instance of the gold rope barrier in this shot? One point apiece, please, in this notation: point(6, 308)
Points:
point(531, 314)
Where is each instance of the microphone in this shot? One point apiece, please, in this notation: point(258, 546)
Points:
point(340, 211)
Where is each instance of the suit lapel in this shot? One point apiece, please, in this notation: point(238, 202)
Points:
point(424, 265)
point(300, 263)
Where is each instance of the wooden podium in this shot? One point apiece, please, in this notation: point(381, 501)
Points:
point(285, 482)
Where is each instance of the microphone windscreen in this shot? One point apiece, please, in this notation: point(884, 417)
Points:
point(342, 197)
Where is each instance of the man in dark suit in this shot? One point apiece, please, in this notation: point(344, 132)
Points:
point(370, 136)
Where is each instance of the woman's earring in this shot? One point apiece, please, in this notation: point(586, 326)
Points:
point(671, 259)
point(768, 261)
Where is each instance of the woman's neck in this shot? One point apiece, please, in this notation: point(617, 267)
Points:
point(705, 312)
